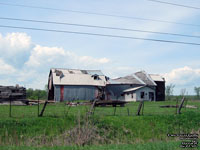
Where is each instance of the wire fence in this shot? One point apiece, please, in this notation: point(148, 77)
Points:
point(130, 109)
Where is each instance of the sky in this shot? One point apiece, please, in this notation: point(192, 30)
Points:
point(27, 56)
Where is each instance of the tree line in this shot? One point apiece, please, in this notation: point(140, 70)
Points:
point(169, 89)
point(36, 94)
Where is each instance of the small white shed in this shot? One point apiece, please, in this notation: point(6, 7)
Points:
point(139, 94)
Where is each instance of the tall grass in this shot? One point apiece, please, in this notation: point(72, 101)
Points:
point(58, 128)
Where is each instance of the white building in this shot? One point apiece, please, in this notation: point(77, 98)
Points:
point(141, 93)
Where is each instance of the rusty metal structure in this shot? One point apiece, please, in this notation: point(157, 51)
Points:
point(13, 93)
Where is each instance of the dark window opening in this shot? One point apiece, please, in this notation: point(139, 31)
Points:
point(142, 95)
point(151, 96)
point(131, 95)
point(96, 77)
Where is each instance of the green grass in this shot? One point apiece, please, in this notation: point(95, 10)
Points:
point(24, 130)
point(146, 146)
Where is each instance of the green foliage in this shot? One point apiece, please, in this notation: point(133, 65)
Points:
point(36, 94)
point(169, 91)
point(197, 91)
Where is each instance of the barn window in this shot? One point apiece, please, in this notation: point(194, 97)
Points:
point(132, 95)
point(142, 95)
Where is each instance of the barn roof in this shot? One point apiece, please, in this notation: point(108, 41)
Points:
point(133, 89)
point(145, 78)
point(136, 88)
point(157, 77)
point(78, 77)
point(130, 79)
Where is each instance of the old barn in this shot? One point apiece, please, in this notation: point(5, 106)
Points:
point(134, 87)
point(74, 84)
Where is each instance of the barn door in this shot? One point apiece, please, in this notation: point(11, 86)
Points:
point(62, 93)
point(151, 96)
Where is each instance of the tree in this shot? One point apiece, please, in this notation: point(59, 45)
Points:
point(35, 94)
point(197, 91)
point(183, 92)
point(169, 90)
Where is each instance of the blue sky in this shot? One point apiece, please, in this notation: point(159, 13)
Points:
point(26, 56)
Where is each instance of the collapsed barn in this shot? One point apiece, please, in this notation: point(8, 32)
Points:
point(74, 84)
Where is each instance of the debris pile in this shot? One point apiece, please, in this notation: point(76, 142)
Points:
point(15, 94)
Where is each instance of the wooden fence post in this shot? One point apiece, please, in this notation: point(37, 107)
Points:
point(115, 110)
point(38, 107)
point(143, 108)
point(140, 107)
point(93, 107)
point(128, 111)
point(45, 104)
point(10, 107)
point(181, 105)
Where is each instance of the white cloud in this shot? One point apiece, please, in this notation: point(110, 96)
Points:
point(5, 68)
point(183, 76)
point(15, 42)
point(91, 60)
point(58, 57)
point(15, 48)
point(28, 64)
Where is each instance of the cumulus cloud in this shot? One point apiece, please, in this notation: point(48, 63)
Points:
point(5, 68)
point(26, 63)
point(15, 42)
point(15, 48)
point(58, 57)
point(185, 76)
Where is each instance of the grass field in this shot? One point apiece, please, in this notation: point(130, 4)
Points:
point(64, 127)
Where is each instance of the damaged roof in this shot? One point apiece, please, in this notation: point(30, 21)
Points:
point(133, 89)
point(157, 77)
point(145, 78)
point(61, 76)
point(130, 79)
point(78, 77)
